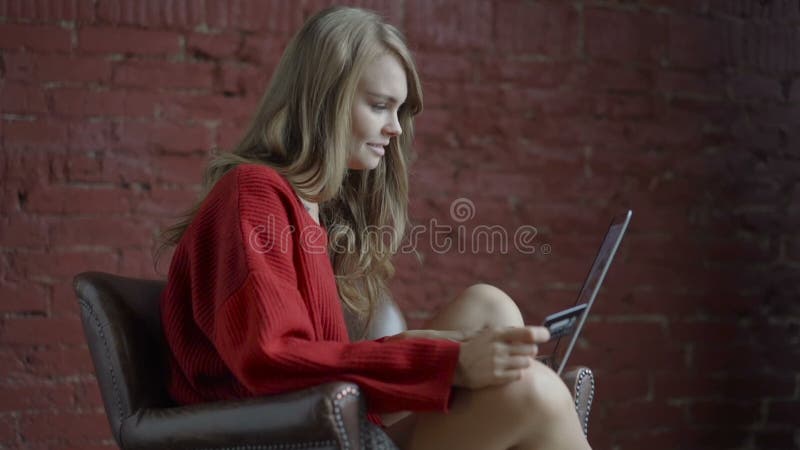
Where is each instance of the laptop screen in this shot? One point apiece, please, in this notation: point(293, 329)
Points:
point(591, 286)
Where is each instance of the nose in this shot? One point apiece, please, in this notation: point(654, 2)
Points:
point(392, 128)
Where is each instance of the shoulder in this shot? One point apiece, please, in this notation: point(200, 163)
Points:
point(255, 176)
point(260, 191)
point(253, 181)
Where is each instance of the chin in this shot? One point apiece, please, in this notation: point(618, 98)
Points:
point(364, 164)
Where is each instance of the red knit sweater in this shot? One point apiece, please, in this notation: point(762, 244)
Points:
point(251, 308)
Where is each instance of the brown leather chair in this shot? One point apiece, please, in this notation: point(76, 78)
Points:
point(121, 321)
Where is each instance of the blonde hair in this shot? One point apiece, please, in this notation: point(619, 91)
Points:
point(302, 129)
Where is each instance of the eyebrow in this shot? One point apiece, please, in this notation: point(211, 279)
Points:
point(383, 96)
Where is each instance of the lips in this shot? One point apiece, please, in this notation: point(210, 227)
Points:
point(377, 148)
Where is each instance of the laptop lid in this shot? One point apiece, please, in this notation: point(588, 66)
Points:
point(591, 286)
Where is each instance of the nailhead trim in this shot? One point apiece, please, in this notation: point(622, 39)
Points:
point(337, 412)
point(581, 375)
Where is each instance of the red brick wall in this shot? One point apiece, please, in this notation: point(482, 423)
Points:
point(547, 114)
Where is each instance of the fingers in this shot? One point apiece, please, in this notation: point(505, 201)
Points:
point(527, 335)
point(530, 350)
point(512, 370)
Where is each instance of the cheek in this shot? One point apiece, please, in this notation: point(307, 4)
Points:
point(362, 122)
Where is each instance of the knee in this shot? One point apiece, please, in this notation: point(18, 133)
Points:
point(541, 392)
point(493, 304)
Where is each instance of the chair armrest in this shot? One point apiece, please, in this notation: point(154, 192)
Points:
point(321, 417)
point(580, 381)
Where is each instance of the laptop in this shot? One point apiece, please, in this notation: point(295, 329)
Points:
point(591, 286)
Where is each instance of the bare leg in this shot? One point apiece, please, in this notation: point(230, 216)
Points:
point(535, 412)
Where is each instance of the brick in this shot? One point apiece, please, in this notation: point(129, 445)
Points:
point(448, 24)
point(624, 386)
point(263, 50)
point(41, 331)
point(83, 102)
point(165, 202)
point(22, 99)
point(181, 170)
point(390, 10)
point(695, 42)
point(783, 412)
point(219, 45)
point(617, 78)
point(34, 398)
point(35, 38)
point(48, 10)
point(60, 265)
point(128, 41)
point(254, 15)
point(27, 67)
point(25, 298)
point(228, 136)
point(164, 75)
point(164, 137)
point(707, 333)
point(41, 134)
point(554, 25)
point(624, 107)
point(17, 231)
point(624, 36)
point(182, 107)
point(642, 415)
point(73, 69)
point(57, 199)
point(8, 432)
point(103, 232)
point(31, 365)
point(768, 47)
point(86, 136)
point(715, 412)
point(130, 170)
point(141, 264)
point(775, 438)
point(444, 66)
point(64, 302)
point(705, 84)
point(756, 87)
point(64, 425)
point(181, 14)
point(241, 80)
point(663, 438)
point(541, 74)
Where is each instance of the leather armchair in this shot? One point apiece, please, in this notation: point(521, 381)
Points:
point(123, 329)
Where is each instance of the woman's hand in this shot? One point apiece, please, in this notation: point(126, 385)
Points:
point(497, 356)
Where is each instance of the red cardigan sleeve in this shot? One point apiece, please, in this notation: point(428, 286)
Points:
point(269, 327)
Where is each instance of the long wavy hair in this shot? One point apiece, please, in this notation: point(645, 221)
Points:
point(302, 129)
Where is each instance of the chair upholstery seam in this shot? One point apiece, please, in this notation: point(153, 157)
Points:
point(107, 351)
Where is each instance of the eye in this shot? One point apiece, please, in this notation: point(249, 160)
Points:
point(379, 107)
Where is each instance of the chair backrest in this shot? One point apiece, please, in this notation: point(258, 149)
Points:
point(122, 326)
point(121, 319)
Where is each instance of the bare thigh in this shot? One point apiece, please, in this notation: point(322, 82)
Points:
point(491, 418)
point(476, 307)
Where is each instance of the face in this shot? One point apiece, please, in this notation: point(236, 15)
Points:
point(381, 91)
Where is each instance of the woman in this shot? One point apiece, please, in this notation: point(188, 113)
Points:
point(281, 242)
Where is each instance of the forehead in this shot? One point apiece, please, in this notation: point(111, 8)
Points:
point(385, 76)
